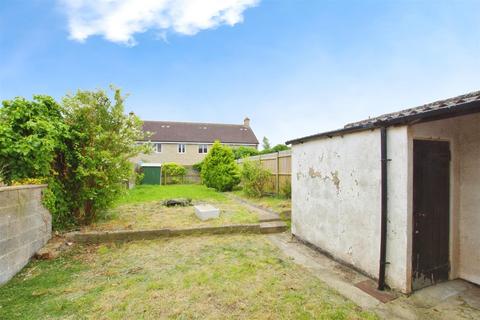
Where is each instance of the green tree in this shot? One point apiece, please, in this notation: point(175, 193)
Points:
point(266, 143)
point(80, 148)
point(99, 144)
point(30, 135)
point(219, 169)
point(279, 147)
point(244, 152)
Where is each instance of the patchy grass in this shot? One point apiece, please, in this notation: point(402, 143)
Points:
point(146, 193)
point(240, 277)
point(153, 215)
point(142, 208)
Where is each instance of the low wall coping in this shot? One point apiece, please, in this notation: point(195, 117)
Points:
point(25, 186)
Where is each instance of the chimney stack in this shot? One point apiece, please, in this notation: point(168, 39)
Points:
point(246, 122)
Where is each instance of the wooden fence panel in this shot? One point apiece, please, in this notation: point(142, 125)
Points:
point(280, 166)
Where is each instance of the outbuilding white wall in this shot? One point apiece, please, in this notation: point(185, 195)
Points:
point(336, 197)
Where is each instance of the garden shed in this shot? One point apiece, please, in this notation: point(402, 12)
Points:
point(152, 173)
point(397, 196)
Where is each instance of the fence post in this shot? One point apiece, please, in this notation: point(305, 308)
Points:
point(277, 182)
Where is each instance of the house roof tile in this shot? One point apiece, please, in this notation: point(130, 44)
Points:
point(169, 131)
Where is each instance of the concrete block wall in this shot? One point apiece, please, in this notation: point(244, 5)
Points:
point(25, 227)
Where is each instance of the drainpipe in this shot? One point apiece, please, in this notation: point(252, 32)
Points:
point(384, 193)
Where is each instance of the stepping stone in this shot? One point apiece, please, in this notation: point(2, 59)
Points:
point(206, 211)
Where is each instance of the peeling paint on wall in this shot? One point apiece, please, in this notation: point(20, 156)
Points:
point(333, 177)
point(314, 174)
point(335, 180)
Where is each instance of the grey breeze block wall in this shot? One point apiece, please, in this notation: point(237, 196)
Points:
point(25, 227)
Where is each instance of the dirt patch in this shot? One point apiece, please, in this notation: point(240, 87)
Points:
point(54, 247)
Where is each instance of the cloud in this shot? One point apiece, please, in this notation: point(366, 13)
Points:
point(119, 20)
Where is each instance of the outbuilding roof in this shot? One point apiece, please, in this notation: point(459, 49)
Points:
point(196, 132)
point(456, 106)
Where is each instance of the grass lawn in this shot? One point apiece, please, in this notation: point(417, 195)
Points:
point(278, 204)
point(214, 277)
point(142, 208)
point(146, 193)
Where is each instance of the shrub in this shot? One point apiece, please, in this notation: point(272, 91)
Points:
point(30, 137)
point(174, 172)
point(139, 175)
point(287, 190)
point(219, 169)
point(255, 178)
point(99, 144)
point(29, 181)
point(82, 148)
point(198, 166)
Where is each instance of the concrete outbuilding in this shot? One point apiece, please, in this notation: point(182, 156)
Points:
point(395, 197)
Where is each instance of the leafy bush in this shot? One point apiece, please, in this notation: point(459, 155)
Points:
point(139, 175)
point(219, 169)
point(244, 152)
point(255, 178)
point(198, 166)
point(173, 172)
point(287, 190)
point(30, 137)
point(82, 147)
point(26, 181)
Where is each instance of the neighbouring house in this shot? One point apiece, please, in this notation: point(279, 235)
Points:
point(397, 196)
point(187, 143)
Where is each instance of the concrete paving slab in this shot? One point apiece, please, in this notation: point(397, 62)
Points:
point(206, 212)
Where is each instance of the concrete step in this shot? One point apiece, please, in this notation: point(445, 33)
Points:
point(273, 227)
point(268, 219)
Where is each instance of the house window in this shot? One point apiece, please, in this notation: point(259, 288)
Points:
point(181, 148)
point(157, 147)
point(202, 148)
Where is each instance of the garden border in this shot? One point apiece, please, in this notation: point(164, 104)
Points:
point(94, 237)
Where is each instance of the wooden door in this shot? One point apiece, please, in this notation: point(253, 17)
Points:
point(431, 212)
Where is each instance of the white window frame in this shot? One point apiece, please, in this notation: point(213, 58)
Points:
point(203, 148)
point(157, 147)
point(181, 148)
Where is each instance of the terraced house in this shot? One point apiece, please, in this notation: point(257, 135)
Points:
point(187, 143)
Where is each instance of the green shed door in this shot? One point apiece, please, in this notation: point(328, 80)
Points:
point(151, 175)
